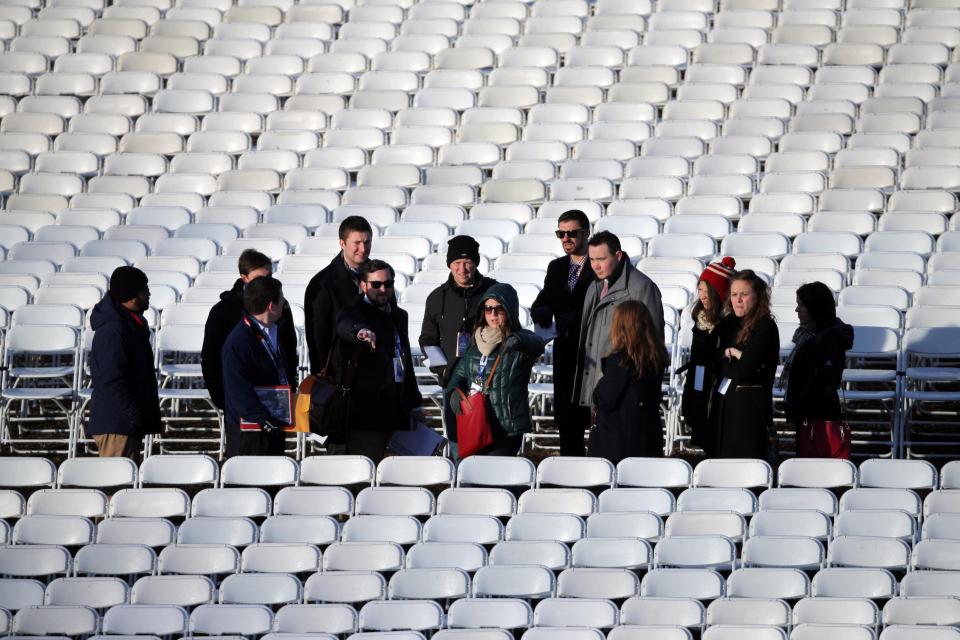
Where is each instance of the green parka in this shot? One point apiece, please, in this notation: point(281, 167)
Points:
point(508, 389)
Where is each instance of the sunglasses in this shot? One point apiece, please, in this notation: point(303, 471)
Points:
point(492, 309)
point(376, 284)
point(573, 233)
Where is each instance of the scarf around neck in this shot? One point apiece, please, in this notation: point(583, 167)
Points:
point(487, 339)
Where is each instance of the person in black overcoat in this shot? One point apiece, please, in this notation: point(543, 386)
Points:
point(224, 316)
point(335, 287)
point(561, 301)
point(384, 395)
point(712, 291)
point(627, 397)
point(747, 355)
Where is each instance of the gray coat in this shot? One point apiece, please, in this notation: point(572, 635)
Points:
point(627, 284)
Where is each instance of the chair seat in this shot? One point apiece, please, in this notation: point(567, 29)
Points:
point(181, 370)
point(184, 394)
point(934, 396)
point(934, 374)
point(37, 393)
point(41, 372)
point(869, 375)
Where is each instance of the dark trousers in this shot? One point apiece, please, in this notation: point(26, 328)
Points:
point(372, 444)
point(572, 420)
point(254, 443)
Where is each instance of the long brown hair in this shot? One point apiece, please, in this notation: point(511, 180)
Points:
point(715, 312)
point(761, 309)
point(633, 332)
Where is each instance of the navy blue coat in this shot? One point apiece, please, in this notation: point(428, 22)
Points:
point(124, 377)
point(246, 364)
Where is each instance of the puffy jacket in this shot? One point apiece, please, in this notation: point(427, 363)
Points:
point(508, 388)
point(124, 400)
point(816, 373)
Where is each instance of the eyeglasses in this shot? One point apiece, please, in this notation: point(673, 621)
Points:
point(376, 284)
point(491, 309)
point(572, 233)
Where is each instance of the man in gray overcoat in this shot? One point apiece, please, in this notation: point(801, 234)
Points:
point(617, 280)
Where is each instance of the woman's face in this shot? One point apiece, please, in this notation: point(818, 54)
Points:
point(803, 314)
point(494, 314)
point(704, 294)
point(742, 298)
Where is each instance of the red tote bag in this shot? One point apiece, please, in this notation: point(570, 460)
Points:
point(473, 422)
point(823, 439)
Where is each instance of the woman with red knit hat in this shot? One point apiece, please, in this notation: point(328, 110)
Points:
point(712, 291)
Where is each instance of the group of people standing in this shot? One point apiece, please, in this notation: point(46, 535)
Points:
point(609, 356)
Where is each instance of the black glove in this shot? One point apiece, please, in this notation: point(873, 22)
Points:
point(542, 316)
point(455, 399)
point(511, 343)
point(270, 425)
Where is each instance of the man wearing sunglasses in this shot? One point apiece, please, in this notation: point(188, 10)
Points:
point(384, 395)
point(561, 301)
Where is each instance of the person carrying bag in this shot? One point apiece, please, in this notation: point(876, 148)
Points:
point(473, 422)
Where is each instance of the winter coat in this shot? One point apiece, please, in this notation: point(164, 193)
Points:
point(627, 406)
point(328, 292)
point(223, 317)
point(246, 365)
point(816, 370)
point(556, 302)
point(695, 404)
point(627, 283)
point(378, 403)
point(743, 416)
point(449, 310)
point(508, 388)
point(124, 400)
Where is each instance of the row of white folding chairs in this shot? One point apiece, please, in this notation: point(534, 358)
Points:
point(267, 471)
point(383, 619)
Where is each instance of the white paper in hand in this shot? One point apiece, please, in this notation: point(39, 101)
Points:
point(545, 333)
point(435, 356)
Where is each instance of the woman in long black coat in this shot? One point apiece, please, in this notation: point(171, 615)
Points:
point(815, 369)
point(626, 400)
point(712, 291)
point(748, 352)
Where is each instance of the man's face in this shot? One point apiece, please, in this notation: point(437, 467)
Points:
point(275, 310)
point(463, 271)
point(256, 273)
point(378, 287)
point(356, 248)
point(603, 261)
point(573, 237)
point(142, 301)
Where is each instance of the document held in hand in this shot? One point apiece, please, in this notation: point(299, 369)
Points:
point(278, 402)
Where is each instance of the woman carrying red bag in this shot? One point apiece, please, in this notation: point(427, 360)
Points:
point(497, 364)
point(814, 372)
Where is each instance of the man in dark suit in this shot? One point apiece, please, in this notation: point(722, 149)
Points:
point(335, 287)
point(561, 300)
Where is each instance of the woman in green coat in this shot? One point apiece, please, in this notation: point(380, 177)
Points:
point(500, 341)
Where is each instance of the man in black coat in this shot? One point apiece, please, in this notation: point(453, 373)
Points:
point(335, 287)
point(450, 311)
point(252, 358)
point(561, 301)
point(225, 315)
point(384, 394)
point(124, 404)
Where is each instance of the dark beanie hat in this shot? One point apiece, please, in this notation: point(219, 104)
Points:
point(463, 247)
point(126, 283)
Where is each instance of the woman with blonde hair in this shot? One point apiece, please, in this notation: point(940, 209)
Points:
point(627, 398)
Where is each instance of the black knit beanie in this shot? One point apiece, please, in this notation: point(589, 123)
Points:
point(127, 283)
point(463, 247)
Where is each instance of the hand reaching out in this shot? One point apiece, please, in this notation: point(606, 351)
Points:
point(366, 335)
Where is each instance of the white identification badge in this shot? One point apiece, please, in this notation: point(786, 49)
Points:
point(724, 385)
point(698, 374)
point(463, 343)
point(397, 370)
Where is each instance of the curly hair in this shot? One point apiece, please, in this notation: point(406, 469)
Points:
point(761, 307)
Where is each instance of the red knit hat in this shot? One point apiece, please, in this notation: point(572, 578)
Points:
point(718, 274)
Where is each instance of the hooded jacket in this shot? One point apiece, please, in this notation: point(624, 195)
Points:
point(816, 373)
point(450, 309)
point(328, 293)
point(223, 317)
point(627, 283)
point(508, 388)
point(124, 399)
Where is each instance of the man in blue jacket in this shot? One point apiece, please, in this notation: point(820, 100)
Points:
point(252, 357)
point(124, 402)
